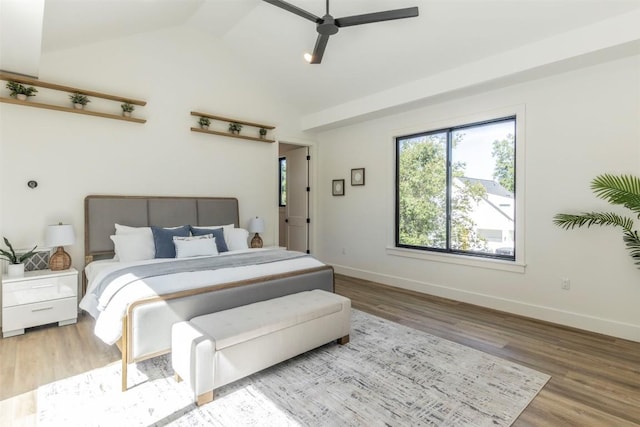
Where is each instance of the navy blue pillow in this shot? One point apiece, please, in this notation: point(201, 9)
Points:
point(163, 239)
point(217, 233)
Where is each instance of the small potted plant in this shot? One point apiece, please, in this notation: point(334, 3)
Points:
point(79, 100)
point(127, 109)
point(20, 91)
point(235, 128)
point(204, 123)
point(263, 133)
point(16, 262)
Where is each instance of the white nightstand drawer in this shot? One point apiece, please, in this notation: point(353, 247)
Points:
point(39, 289)
point(39, 313)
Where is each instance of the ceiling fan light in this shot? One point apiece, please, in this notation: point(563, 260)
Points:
point(308, 57)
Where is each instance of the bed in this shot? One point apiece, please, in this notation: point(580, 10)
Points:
point(144, 317)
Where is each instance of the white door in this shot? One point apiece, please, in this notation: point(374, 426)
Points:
point(297, 199)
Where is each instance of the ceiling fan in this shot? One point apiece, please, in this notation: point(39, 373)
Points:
point(328, 25)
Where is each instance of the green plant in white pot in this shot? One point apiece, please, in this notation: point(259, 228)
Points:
point(16, 262)
point(127, 109)
point(235, 128)
point(79, 100)
point(617, 190)
point(20, 91)
point(204, 122)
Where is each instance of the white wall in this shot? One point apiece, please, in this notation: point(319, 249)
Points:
point(578, 124)
point(71, 156)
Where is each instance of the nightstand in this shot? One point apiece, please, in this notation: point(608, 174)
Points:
point(38, 298)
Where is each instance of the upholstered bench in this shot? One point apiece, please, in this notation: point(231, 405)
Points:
point(216, 349)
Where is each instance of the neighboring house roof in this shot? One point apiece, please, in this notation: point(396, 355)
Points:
point(491, 186)
point(495, 189)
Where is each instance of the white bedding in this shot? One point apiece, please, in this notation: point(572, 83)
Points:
point(109, 315)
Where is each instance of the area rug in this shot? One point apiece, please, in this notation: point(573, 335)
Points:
point(388, 374)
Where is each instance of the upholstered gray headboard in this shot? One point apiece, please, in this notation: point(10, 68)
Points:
point(102, 212)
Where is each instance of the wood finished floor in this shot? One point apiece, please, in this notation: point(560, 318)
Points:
point(595, 379)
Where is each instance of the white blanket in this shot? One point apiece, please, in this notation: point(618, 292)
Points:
point(109, 320)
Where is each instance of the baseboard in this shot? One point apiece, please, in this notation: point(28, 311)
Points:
point(548, 314)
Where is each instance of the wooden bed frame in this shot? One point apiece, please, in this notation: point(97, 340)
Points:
point(146, 327)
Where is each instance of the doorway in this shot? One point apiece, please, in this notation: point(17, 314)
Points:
point(295, 196)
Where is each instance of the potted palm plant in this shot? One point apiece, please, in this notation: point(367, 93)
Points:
point(617, 190)
point(20, 91)
point(79, 100)
point(16, 262)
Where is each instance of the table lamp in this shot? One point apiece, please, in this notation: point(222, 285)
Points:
point(59, 235)
point(256, 225)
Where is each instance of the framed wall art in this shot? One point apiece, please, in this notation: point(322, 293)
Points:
point(337, 187)
point(357, 176)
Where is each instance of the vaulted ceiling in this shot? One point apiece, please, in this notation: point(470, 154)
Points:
point(360, 60)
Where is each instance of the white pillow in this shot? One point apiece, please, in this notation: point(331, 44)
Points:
point(237, 239)
point(225, 229)
point(126, 229)
point(133, 247)
point(202, 236)
point(195, 246)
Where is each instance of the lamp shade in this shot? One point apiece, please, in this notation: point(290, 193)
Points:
point(59, 235)
point(256, 225)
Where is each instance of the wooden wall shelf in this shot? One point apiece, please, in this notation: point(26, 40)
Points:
point(231, 135)
point(70, 110)
point(232, 120)
point(35, 82)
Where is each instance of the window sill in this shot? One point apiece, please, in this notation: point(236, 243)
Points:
point(492, 264)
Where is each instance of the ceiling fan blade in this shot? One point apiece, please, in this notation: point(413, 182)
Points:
point(294, 9)
point(318, 50)
point(367, 18)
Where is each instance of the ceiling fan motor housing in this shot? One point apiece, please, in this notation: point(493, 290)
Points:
point(328, 26)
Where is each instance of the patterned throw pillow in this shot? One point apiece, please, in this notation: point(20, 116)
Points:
point(39, 261)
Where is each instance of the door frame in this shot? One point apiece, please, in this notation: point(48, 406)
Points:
point(311, 173)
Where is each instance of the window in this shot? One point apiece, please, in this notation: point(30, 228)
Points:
point(455, 190)
point(282, 189)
